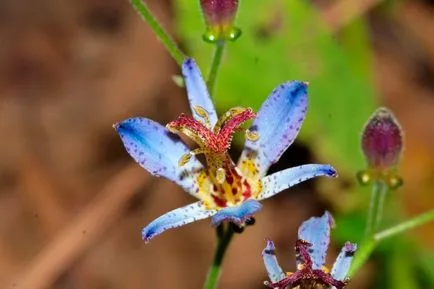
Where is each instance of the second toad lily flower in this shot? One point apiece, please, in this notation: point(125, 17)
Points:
point(311, 249)
point(226, 192)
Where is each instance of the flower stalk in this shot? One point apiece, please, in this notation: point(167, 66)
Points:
point(215, 65)
point(371, 243)
point(224, 237)
point(164, 37)
point(375, 212)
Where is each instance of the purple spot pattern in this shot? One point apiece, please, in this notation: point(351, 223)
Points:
point(238, 214)
point(343, 261)
point(316, 231)
point(278, 122)
point(275, 272)
point(158, 151)
point(176, 218)
point(197, 91)
point(277, 182)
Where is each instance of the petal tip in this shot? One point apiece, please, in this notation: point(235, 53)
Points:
point(331, 172)
point(147, 235)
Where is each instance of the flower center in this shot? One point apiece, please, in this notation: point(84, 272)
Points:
point(306, 276)
point(225, 186)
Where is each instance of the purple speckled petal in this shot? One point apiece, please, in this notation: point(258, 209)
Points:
point(176, 218)
point(316, 231)
point(343, 261)
point(158, 151)
point(278, 123)
point(197, 91)
point(275, 273)
point(277, 182)
point(238, 214)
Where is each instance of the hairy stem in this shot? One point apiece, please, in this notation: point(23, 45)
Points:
point(164, 37)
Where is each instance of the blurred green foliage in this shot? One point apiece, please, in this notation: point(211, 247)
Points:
point(286, 40)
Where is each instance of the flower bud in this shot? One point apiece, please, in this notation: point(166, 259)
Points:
point(382, 144)
point(219, 17)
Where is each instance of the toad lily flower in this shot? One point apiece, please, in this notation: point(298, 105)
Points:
point(311, 248)
point(226, 192)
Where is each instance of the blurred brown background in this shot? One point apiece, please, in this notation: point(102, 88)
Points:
point(72, 203)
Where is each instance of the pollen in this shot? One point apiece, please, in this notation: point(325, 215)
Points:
point(184, 159)
point(221, 175)
point(251, 135)
point(200, 111)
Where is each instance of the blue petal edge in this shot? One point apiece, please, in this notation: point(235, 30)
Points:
point(197, 91)
point(158, 151)
point(277, 182)
point(316, 231)
point(176, 218)
point(278, 122)
point(275, 272)
point(238, 214)
point(343, 261)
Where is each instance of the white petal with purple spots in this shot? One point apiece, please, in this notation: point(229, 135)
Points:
point(158, 151)
point(176, 218)
point(277, 182)
point(316, 231)
point(275, 272)
point(238, 214)
point(197, 91)
point(277, 123)
point(343, 261)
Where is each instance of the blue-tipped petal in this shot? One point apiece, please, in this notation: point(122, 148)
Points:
point(176, 218)
point(275, 273)
point(277, 123)
point(158, 151)
point(343, 261)
point(277, 182)
point(197, 91)
point(316, 231)
point(238, 214)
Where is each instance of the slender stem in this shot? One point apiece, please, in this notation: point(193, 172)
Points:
point(143, 10)
point(215, 65)
point(224, 238)
point(370, 243)
point(375, 213)
point(404, 226)
point(362, 255)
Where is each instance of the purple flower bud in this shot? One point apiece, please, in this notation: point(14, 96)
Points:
point(382, 140)
point(219, 17)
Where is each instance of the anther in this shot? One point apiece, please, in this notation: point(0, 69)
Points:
point(220, 175)
point(184, 159)
point(251, 135)
point(200, 111)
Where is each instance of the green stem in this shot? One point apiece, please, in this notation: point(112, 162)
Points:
point(215, 65)
point(379, 192)
point(168, 42)
point(224, 238)
point(370, 243)
point(404, 226)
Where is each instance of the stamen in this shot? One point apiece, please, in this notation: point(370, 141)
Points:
point(200, 111)
point(220, 175)
point(227, 115)
point(184, 159)
point(251, 135)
